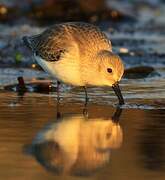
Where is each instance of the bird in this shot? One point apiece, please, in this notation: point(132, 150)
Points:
point(78, 54)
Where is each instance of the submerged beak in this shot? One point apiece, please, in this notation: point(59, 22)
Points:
point(117, 90)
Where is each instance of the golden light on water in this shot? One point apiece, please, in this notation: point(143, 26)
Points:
point(84, 153)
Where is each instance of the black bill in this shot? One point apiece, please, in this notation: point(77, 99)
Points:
point(117, 90)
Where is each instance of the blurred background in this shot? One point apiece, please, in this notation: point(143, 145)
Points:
point(116, 17)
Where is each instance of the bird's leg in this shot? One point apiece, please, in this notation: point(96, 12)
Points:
point(85, 110)
point(58, 91)
point(86, 96)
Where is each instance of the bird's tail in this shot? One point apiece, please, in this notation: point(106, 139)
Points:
point(27, 42)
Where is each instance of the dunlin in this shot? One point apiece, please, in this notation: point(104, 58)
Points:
point(78, 54)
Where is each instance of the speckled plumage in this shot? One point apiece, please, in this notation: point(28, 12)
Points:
point(75, 53)
point(54, 41)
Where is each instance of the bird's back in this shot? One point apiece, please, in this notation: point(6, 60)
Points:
point(89, 38)
point(54, 41)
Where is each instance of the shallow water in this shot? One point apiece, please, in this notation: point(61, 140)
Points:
point(36, 144)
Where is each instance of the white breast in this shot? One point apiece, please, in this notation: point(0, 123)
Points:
point(65, 70)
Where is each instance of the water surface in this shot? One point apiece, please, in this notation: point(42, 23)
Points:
point(35, 143)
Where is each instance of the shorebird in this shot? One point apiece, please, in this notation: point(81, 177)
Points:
point(78, 54)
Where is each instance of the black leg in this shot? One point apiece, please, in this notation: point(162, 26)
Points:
point(85, 110)
point(86, 96)
point(58, 91)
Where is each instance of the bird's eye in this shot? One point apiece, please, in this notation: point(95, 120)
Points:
point(109, 70)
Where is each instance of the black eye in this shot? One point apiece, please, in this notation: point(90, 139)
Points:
point(109, 70)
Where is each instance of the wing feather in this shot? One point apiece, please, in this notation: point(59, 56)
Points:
point(56, 40)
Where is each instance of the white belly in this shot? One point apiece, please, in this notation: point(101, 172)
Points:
point(66, 70)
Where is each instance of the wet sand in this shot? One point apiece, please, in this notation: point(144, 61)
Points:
point(35, 144)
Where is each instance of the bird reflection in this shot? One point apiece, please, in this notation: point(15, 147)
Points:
point(77, 145)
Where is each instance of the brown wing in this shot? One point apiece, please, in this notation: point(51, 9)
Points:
point(54, 42)
point(49, 45)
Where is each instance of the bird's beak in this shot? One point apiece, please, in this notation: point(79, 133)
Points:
point(117, 90)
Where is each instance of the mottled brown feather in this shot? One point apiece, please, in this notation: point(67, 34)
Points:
point(56, 40)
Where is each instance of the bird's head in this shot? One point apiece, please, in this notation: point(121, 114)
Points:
point(111, 69)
